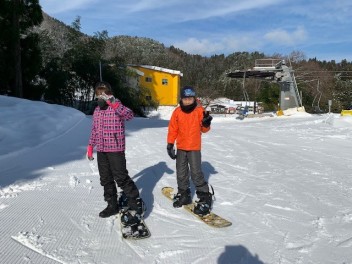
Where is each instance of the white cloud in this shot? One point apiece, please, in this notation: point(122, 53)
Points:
point(218, 45)
point(197, 46)
point(284, 37)
point(242, 42)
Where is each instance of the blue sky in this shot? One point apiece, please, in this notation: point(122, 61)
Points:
point(318, 28)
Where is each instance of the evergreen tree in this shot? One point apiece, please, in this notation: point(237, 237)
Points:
point(18, 45)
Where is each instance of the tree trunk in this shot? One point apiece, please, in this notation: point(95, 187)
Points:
point(17, 50)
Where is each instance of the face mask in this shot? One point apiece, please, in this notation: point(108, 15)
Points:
point(102, 104)
point(188, 108)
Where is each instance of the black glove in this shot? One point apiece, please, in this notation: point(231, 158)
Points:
point(171, 151)
point(206, 121)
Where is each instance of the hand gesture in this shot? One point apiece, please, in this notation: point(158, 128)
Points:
point(206, 121)
point(110, 100)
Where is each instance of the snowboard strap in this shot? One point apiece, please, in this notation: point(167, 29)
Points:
point(212, 191)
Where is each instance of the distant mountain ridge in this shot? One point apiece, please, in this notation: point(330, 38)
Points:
point(134, 50)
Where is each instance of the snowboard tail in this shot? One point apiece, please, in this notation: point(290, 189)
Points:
point(210, 219)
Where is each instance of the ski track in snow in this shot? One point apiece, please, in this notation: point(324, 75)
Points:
point(282, 212)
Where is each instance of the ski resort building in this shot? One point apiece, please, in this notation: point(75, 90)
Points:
point(228, 106)
point(164, 84)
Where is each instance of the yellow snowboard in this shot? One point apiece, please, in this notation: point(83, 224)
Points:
point(210, 219)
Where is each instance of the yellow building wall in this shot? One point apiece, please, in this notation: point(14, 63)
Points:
point(165, 94)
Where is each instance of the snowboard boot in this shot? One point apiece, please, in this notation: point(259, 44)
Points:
point(134, 212)
point(203, 205)
point(111, 209)
point(182, 198)
point(123, 201)
point(130, 218)
point(137, 205)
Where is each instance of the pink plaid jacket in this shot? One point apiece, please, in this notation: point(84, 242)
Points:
point(108, 128)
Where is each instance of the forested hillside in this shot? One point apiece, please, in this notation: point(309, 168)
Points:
point(70, 60)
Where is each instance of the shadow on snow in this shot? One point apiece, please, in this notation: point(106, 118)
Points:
point(238, 255)
point(146, 181)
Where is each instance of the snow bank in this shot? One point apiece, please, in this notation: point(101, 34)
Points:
point(163, 112)
point(338, 121)
point(40, 121)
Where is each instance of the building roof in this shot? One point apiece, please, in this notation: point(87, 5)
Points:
point(156, 68)
point(140, 73)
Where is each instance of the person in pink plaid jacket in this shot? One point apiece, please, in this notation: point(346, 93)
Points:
point(108, 137)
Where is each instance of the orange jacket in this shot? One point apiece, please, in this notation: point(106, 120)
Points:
point(186, 129)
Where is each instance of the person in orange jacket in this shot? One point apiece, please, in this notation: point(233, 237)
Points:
point(187, 123)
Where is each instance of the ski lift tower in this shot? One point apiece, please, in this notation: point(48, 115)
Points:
point(275, 70)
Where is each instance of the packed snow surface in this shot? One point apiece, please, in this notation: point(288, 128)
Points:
point(284, 182)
